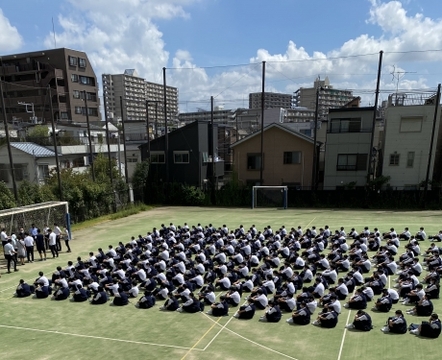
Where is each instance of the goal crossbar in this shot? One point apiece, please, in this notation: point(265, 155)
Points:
point(28, 213)
point(282, 188)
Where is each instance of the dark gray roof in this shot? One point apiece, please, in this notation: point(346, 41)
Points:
point(33, 149)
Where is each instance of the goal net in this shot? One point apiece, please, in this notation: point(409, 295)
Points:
point(270, 196)
point(47, 213)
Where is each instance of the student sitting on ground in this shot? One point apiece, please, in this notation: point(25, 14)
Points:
point(361, 321)
point(396, 324)
point(23, 289)
point(246, 311)
point(429, 329)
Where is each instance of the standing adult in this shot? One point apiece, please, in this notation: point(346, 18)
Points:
point(40, 243)
point(57, 232)
point(4, 237)
point(53, 243)
point(29, 243)
point(67, 238)
point(21, 250)
point(10, 255)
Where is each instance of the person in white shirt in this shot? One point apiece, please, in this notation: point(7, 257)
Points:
point(57, 232)
point(29, 243)
point(10, 255)
point(53, 243)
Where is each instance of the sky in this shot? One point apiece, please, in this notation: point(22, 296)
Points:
point(217, 47)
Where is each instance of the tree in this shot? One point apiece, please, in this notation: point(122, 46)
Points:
point(40, 135)
point(7, 200)
point(139, 180)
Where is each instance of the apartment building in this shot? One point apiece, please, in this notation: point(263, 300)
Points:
point(328, 97)
point(137, 95)
point(63, 77)
point(271, 100)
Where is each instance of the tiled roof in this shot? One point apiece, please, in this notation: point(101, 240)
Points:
point(33, 149)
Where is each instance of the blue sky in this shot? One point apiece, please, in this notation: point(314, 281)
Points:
point(201, 42)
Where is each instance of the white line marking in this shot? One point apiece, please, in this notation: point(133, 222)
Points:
point(253, 342)
point(219, 332)
point(310, 222)
point(99, 337)
point(343, 336)
point(9, 288)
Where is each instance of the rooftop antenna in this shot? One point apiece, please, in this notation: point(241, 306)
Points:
point(53, 31)
point(398, 75)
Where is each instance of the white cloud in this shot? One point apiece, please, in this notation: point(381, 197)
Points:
point(124, 34)
point(10, 38)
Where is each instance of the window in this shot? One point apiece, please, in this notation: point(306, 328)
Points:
point(78, 110)
point(86, 80)
point(72, 61)
point(93, 111)
point(4, 173)
point(64, 115)
point(292, 157)
point(76, 94)
point(81, 62)
point(43, 172)
point(411, 124)
point(352, 162)
point(410, 159)
point(181, 157)
point(157, 157)
point(345, 125)
point(74, 77)
point(394, 159)
point(21, 172)
point(253, 161)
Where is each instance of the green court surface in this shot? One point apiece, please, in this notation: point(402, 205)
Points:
point(45, 329)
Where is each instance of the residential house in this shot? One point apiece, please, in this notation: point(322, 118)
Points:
point(189, 156)
point(409, 127)
point(32, 163)
point(287, 157)
point(347, 147)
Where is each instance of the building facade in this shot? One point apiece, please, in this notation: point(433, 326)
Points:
point(328, 97)
point(408, 132)
point(347, 147)
point(137, 95)
point(288, 157)
point(63, 77)
point(271, 100)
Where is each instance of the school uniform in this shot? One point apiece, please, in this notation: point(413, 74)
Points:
point(146, 302)
point(248, 311)
point(431, 329)
point(99, 298)
point(363, 322)
point(302, 316)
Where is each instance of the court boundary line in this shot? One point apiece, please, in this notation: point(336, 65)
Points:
point(98, 337)
point(251, 341)
point(219, 332)
point(201, 338)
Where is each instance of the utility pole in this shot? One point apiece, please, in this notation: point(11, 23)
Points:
point(212, 152)
point(436, 108)
point(126, 173)
point(262, 122)
point(91, 154)
point(166, 131)
point(371, 160)
point(8, 141)
point(111, 175)
point(315, 137)
point(147, 129)
point(54, 142)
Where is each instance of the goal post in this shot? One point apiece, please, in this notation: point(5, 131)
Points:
point(273, 195)
point(41, 214)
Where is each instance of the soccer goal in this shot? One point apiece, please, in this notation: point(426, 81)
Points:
point(270, 196)
point(41, 214)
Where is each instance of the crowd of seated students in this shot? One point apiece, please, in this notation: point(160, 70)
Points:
point(283, 271)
